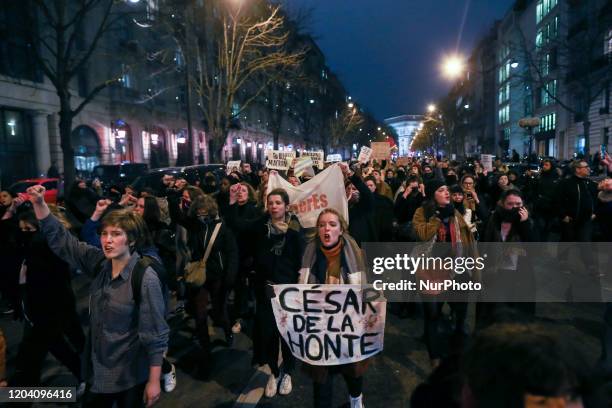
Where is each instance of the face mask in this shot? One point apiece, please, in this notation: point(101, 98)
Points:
point(510, 215)
point(205, 219)
point(428, 176)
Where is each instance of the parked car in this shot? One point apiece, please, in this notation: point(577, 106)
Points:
point(50, 185)
point(124, 173)
point(153, 179)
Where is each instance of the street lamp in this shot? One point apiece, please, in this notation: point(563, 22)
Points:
point(350, 105)
point(431, 108)
point(453, 66)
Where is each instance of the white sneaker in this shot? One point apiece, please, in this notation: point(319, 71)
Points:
point(285, 386)
point(169, 380)
point(272, 386)
point(80, 391)
point(357, 402)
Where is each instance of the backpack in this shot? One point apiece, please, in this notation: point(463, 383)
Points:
point(138, 273)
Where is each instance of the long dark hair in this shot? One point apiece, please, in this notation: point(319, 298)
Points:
point(152, 213)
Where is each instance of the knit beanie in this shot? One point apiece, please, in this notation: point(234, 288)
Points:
point(431, 187)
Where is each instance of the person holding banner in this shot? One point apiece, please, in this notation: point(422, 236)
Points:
point(437, 220)
point(361, 206)
point(278, 242)
point(334, 257)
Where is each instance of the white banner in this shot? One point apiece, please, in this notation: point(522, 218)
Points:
point(317, 158)
point(279, 160)
point(233, 166)
point(380, 150)
point(328, 325)
point(364, 154)
point(487, 162)
point(325, 190)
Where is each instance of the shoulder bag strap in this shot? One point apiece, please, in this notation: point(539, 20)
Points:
point(211, 242)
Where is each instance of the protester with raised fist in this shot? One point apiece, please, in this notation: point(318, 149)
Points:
point(127, 340)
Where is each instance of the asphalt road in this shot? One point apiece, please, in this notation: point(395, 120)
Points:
point(389, 382)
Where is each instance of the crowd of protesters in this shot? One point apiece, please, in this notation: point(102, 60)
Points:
point(136, 245)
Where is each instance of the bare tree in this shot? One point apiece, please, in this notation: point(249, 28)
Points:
point(349, 119)
point(246, 43)
point(62, 50)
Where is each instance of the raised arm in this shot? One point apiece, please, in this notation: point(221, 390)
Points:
point(63, 244)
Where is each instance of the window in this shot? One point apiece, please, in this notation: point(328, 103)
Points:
point(548, 93)
point(504, 115)
point(543, 8)
point(506, 132)
point(126, 77)
point(548, 122)
point(146, 145)
point(504, 94)
point(608, 43)
point(548, 32)
point(504, 72)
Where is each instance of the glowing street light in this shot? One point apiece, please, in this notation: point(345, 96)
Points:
point(431, 108)
point(453, 66)
point(351, 105)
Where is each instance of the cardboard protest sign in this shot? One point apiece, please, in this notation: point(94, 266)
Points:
point(328, 325)
point(233, 165)
point(317, 158)
point(307, 200)
point(364, 154)
point(303, 165)
point(487, 162)
point(279, 160)
point(380, 150)
point(403, 161)
point(333, 158)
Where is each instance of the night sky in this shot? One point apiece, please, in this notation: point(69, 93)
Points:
point(387, 52)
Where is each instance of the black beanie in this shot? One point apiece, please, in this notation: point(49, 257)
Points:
point(431, 187)
point(456, 189)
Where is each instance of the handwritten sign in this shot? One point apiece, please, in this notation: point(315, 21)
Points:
point(487, 162)
point(303, 165)
point(233, 165)
point(364, 154)
point(330, 324)
point(380, 150)
point(334, 158)
point(279, 160)
point(317, 158)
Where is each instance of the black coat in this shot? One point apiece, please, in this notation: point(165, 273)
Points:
point(576, 198)
point(544, 191)
point(361, 226)
point(269, 266)
point(383, 217)
point(47, 294)
point(222, 264)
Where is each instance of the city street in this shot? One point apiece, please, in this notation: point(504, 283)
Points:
point(389, 382)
